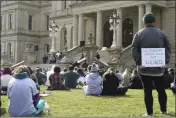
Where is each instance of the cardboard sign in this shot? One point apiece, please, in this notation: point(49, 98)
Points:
point(153, 57)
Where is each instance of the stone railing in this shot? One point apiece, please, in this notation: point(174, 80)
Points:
point(101, 63)
point(72, 53)
point(126, 58)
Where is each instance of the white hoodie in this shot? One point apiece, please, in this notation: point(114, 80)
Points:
point(93, 81)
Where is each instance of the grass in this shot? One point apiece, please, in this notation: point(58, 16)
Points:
point(75, 103)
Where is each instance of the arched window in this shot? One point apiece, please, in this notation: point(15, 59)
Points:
point(108, 35)
point(65, 37)
point(46, 48)
point(127, 35)
point(9, 49)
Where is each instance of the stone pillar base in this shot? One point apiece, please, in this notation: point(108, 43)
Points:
point(91, 52)
point(115, 59)
point(29, 57)
point(115, 65)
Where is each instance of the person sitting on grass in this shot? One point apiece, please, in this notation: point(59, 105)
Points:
point(34, 78)
point(5, 78)
point(173, 84)
point(57, 80)
point(85, 71)
point(81, 80)
point(111, 84)
point(24, 99)
point(93, 82)
point(135, 81)
point(85, 65)
point(167, 79)
point(41, 77)
point(64, 71)
point(71, 78)
point(75, 69)
point(171, 73)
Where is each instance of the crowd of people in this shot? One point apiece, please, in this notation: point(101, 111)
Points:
point(23, 84)
point(93, 80)
point(56, 57)
point(53, 59)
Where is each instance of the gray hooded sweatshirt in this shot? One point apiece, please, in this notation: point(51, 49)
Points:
point(150, 37)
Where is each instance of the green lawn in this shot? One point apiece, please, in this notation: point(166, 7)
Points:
point(75, 103)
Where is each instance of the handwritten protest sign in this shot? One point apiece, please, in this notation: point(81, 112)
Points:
point(153, 57)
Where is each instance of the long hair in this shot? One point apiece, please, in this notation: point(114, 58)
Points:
point(109, 71)
point(21, 69)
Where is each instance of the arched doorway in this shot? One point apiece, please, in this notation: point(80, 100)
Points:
point(108, 35)
point(63, 41)
point(127, 35)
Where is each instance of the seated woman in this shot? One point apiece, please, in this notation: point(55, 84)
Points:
point(93, 82)
point(57, 80)
point(173, 84)
point(172, 74)
point(42, 78)
point(111, 84)
point(22, 88)
point(135, 81)
point(5, 78)
point(167, 78)
point(81, 80)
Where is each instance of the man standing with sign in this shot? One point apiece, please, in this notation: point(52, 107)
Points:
point(151, 37)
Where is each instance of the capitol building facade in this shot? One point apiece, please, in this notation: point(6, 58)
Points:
point(24, 25)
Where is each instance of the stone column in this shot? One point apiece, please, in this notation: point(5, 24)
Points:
point(7, 21)
point(99, 29)
point(69, 40)
point(3, 23)
point(148, 8)
point(14, 19)
point(119, 30)
point(140, 16)
point(75, 30)
point(17, 52)
point(58, 39)
point(81, 28)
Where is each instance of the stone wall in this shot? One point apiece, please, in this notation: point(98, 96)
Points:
point(168, 26)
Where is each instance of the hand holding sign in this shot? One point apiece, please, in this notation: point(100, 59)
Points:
point(153, 57)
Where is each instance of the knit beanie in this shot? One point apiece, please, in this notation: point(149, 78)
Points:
point(149, 18)
point(94, 68)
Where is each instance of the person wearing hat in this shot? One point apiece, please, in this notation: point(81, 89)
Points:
point(151, 37)
point(93, 82)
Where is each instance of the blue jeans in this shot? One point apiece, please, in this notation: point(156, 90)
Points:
point(39, 108)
